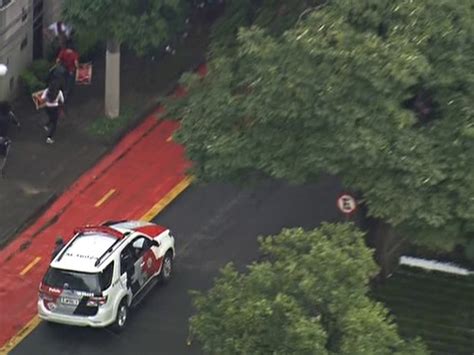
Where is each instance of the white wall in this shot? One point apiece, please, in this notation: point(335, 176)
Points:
point(16, 43)
point(16, 38)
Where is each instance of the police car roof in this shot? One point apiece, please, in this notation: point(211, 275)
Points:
point(83, 251)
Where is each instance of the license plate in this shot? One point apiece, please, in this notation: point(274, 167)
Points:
point(69, 301)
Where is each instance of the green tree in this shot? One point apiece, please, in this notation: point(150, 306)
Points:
point(308, 296)
point(378, 92)
point(141, 24)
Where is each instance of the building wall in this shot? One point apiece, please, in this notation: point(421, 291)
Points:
point(21, 26)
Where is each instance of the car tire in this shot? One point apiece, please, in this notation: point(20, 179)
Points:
point(121, 316)
point(167, 268)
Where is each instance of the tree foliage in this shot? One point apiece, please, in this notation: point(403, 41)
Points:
point(275, 15)
point(141, 24)
point(378, 92)
point(309, 296)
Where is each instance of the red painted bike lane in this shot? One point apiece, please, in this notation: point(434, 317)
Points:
point(126, 183)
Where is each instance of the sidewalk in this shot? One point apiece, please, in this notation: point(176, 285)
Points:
point(37, 173)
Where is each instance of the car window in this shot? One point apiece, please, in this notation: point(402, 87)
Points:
point(77, 281)
point(106, 276)
point(140, 245)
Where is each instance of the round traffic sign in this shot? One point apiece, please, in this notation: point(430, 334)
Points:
point(346, 203)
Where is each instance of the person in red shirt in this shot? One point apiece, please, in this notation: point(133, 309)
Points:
point(69, 59)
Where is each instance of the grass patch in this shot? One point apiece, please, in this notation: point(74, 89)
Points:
point(437, 307)
point(104, 127)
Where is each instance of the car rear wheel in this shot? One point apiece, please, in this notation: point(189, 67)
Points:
point(167, 268)
point(121, 317)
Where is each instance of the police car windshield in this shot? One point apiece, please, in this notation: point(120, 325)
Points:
point(72, 280)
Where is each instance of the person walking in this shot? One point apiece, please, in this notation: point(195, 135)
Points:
point(5, 144)
point(57, 73)
point(58, 33)
point(59, 28)
point(6, 117)
point(54, 100)
point(58, 245)
point(69, 58)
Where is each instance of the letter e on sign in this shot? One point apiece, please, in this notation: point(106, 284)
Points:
point(346, 203)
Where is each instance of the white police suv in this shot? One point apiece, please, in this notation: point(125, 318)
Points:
point(103, 271)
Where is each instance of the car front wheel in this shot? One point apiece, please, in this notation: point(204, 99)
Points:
point(167, 268)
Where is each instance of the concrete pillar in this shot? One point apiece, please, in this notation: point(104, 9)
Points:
point(112, 79)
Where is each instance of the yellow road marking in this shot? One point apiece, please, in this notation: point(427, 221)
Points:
point(22, 334)
point(105, 198)
point(170, 138)
point(30, 265)
point(165, 201)
point(157, 208)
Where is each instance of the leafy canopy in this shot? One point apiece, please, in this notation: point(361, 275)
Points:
point(378, 92)
point(141, 24)
point(307, 297)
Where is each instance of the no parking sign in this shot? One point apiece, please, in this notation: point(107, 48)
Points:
point(346, 204)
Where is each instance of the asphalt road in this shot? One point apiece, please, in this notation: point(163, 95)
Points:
point(213, 225)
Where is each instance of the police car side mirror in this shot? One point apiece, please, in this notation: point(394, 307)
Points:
point(155, 243)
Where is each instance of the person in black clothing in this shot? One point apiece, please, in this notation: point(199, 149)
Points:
point(6, 117)
point(58, 74)
point(59, 244)
point(5, 143)
point(54, 100)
